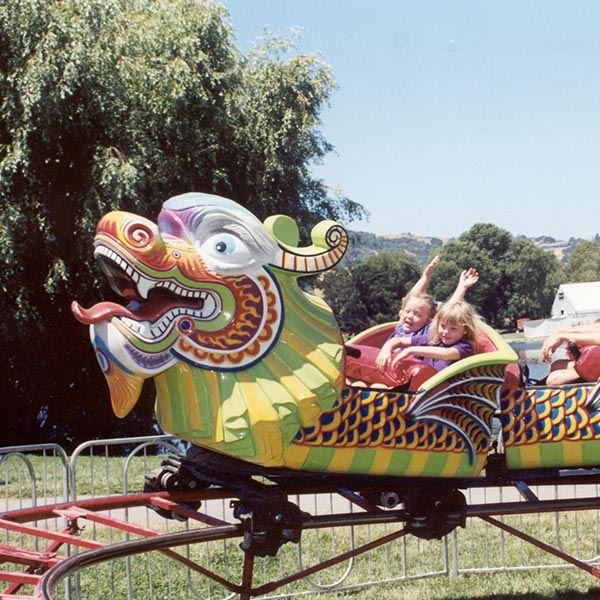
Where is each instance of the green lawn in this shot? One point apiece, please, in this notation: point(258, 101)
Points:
point(94, 475)
point(408, 560)
point(535, 585)
point(156, 576)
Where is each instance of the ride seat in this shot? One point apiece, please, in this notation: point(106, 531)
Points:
point(588, 364)
point(483, 343)
point(413, 374)
point(418, 375)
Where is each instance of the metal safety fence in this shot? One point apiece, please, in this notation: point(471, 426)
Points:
point(45, 474)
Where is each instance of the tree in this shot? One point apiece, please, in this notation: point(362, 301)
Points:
point(490, 239)
point(370, 292)
point(584, 263)
point(458, 255)
point(534, 276)
point(340, 292)
point(516, 277)
point(120, 104)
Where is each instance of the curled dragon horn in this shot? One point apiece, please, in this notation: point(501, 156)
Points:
point(329, 244)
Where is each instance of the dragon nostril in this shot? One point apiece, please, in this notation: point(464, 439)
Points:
point(185, 326)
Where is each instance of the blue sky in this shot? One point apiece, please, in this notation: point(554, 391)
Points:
point(450, 113)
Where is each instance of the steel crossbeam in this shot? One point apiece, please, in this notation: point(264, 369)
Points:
point(44, 569)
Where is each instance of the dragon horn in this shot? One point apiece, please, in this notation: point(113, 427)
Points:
point(329, 244)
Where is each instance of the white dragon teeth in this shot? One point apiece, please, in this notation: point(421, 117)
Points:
point(143, 284)
point(158, 330)
point(179, 290)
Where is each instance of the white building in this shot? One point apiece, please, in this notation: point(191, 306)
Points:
point(580, 299)
point(574, 304)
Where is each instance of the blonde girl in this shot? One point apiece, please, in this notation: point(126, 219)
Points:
point(451, 337)
point(418, 309)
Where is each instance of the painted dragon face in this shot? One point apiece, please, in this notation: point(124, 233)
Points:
point(199, 288)
point(196, 290)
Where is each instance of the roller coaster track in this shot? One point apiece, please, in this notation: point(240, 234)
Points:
point(42, 570)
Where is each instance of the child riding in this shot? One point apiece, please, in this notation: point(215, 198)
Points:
point(418, 308)
point(450, 337)
point(370, 365)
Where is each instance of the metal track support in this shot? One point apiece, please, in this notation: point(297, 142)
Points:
point(543, 546)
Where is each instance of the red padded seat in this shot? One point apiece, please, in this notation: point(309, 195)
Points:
point(588, 364)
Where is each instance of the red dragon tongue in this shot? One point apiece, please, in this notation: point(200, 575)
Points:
point(99, 312)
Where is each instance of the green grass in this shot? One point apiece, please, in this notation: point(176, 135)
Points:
point(408, 560)
point(15, 479)
point(94, 475)
point(536, 585)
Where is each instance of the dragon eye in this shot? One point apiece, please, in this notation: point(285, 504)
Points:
point(224, 250)
point(224, 244)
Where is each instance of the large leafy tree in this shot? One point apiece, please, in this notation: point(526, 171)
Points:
point(371, 291)
point(516, 277)
point(534, 275)
point(120, 104)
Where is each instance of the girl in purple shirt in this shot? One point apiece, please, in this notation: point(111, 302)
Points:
point(418, 310)
point(369, 364)
point(451, 337)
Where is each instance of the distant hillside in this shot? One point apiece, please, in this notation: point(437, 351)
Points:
point(560, 248)
point(363, 244)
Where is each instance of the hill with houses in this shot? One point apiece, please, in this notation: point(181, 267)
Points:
point(363, 244)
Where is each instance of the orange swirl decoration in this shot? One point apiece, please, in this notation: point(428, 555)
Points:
point(139, 235)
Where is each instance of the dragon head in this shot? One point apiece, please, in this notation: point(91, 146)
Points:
point(204, 292)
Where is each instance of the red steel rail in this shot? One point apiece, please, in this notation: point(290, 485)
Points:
point(44, 569)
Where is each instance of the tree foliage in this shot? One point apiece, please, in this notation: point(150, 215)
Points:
point(516, 278)
point(584, 263)
point(369, 292)
point(534, 275)
point(120, 104)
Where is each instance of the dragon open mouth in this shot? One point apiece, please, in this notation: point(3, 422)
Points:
point(118, 271)
point(154, 304)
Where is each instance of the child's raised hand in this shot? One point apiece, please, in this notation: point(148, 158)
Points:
point(428, 270)
point(469, 277)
